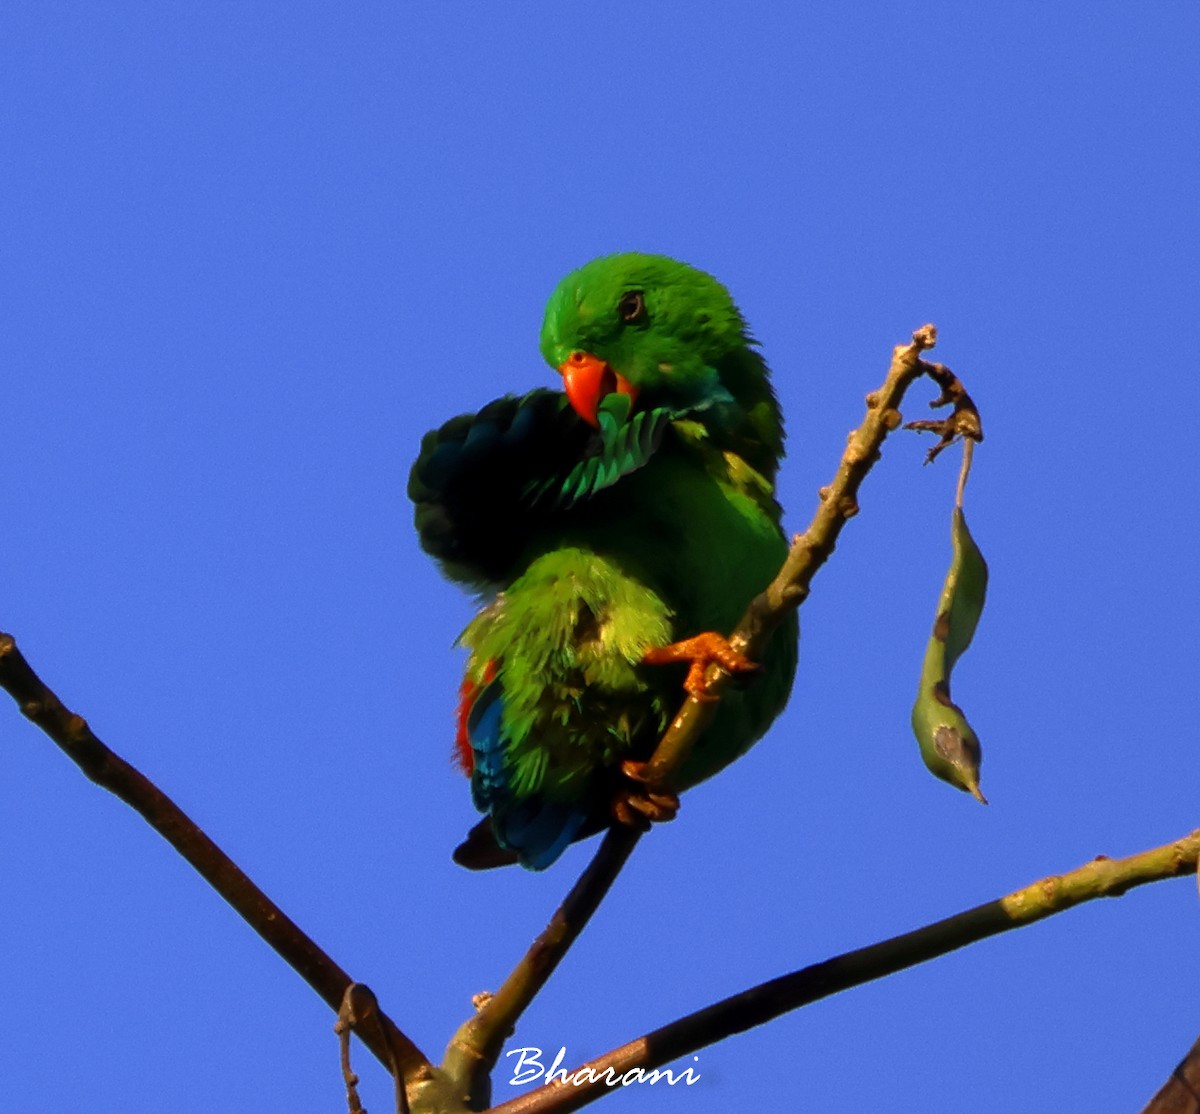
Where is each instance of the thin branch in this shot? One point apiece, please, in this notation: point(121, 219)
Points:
point(476, 1046)
point(1103, 877)
point(1181, 1093)
point(111, 772)
point(359, 1009)
point(347, 1018)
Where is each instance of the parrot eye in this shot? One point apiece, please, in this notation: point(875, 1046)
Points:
point(632, 307)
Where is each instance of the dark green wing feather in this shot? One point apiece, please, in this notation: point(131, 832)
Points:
point(484, 485)
point(469, 483)
point(623, 445)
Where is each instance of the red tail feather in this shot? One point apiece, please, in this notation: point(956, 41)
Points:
point(464, 756)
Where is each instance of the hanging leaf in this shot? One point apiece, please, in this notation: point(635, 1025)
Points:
point(948, 744)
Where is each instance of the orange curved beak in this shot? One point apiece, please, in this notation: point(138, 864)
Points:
point(587, 379)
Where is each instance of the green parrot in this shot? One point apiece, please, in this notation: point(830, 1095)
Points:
point(615, 529)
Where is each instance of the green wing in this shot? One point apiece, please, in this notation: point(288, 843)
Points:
point(486, 485)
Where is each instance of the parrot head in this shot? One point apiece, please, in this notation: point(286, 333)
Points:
point(644, 326)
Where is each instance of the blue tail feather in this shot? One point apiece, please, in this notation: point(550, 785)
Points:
point(537, 830)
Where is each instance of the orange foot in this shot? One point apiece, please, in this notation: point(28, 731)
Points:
point(637, 805)
point(702, 651)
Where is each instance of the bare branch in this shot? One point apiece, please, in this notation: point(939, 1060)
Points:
point(1181, 1093)
point(347, 1018)
point(1103, 877)
point(476, 1046)
point(113, 773)
point(360, 1008)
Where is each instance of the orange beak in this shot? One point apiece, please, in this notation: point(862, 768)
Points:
point(587, 379)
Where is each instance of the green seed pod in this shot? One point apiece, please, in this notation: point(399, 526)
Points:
point(949, 746)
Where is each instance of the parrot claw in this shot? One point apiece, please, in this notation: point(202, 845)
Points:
point(624, 814)
point(636, 771)
point(638, 809)
point(702, 651)
point(637, 806)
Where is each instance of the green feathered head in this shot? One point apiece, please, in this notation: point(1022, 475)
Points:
point(643, 325)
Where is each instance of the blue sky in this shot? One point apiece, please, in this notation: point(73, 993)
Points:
point(249, 254)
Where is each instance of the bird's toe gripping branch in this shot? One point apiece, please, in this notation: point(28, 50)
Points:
point(700, 652)
point(641, 801)
point(638, 805)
